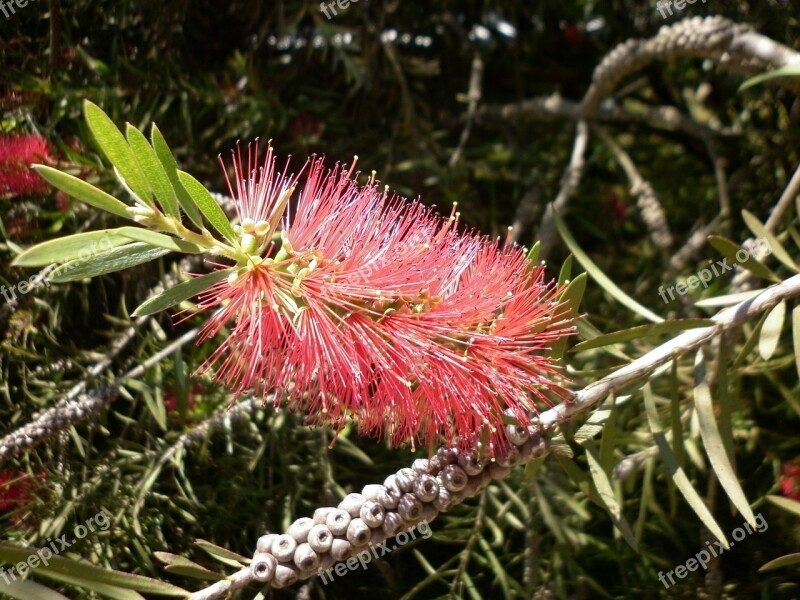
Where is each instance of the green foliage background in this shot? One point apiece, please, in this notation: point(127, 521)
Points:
point(209, 75)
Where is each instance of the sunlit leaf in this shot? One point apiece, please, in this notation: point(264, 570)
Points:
point(764, 236)
point(178, 293)
point(793, 506)
point(791, 70)
point(179, 565)
point(153, 170)
point(114, 260)
point(771, 331)
point(29, 590)
point(601, 278)
point(606, 493)
point(208, 206)
point(783, 561)
point(79, 246)
point(83, 191)
point(160, 240)
point(676, 472)
point(713, 443)
point(170, 165)
point(642, 331)
point(729, 250)
point(222, 554)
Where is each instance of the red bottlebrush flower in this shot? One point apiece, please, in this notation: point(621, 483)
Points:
point(17, 154)
point(790, 481)
point(16, 489)
point(171, 399)
point(379, 309)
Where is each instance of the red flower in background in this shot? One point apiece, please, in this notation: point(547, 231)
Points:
point(790, 481)
point(17, 490)
point(17, 154)
point(380, 309)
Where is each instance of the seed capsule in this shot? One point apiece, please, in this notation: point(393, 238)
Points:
point(283, 547)
point(405, 479)
point(321, 514)
point(320, 538)
point(510, 458)
point(358, 533)
point(498, 472)
point(517, 435)
point(426, 488)
point(372, 513)
point(409, 508)
point(264, 544)
point(471, 464)
point(340, 549)
point(337, 521)
point(453, 478)
point(380, 494)
point(300, 528)
point(285, 575)
point(325, 561)
point(536, 447)
point(429, 513)
point(263, 567)
point(352, 504)
point(305, 558)
point(421, 466)
point(447, 456)
point(392, 523)
point(390, 483)
point(444, 500)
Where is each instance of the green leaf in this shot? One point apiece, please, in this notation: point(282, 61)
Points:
point(641, 331)
point(771, 331)
point(571, 296)
point(116, 259)
point(793, 506)
point(29, 590)
point(223, 554)
point(601, 278)
point(728, 299)
point(533, 254)
point(729, 250)
point(117, 150)
point(713, 443)
point(676, 472)
point(765, 237)
point(607, 496)
point(159, 239)
point(154, 171)
point(179, 565)
point(170, 166)
point(796, 336)
point(208, 206)
point(566, 270)
point(88, 573)
point(791, 70)
point(179, 293)
point(70, 247)
point(782, 561)
point(83, 191)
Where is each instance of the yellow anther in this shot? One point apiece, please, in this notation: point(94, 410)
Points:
point(248, 225)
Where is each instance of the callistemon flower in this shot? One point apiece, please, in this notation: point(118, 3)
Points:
point(17, 154)
point(363, 305)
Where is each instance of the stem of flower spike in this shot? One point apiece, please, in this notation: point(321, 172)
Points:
point(265, 566)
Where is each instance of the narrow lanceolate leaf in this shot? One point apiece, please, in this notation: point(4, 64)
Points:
point(712, 440)
point(728, 299)
point(91, 574)
point(29, 590)
point(764, 236)
point(159, 239)
point(782, 561)
point(601, 278)
point(179, 293)
point(676, 472)
point(114, 260)
point(153, 171)
point(642, 331)
point(170, 165)
point(77, 246)
point(179, 565)
point(793, 506)
point(771, 331)
point(792, 70)
point(533, 254)
point(572, 297)
point(117, 150)
point(730, 249)
point(606, 491)
point(223, 554)
point(796, 336)
point(208, 206)
point(83, 191)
